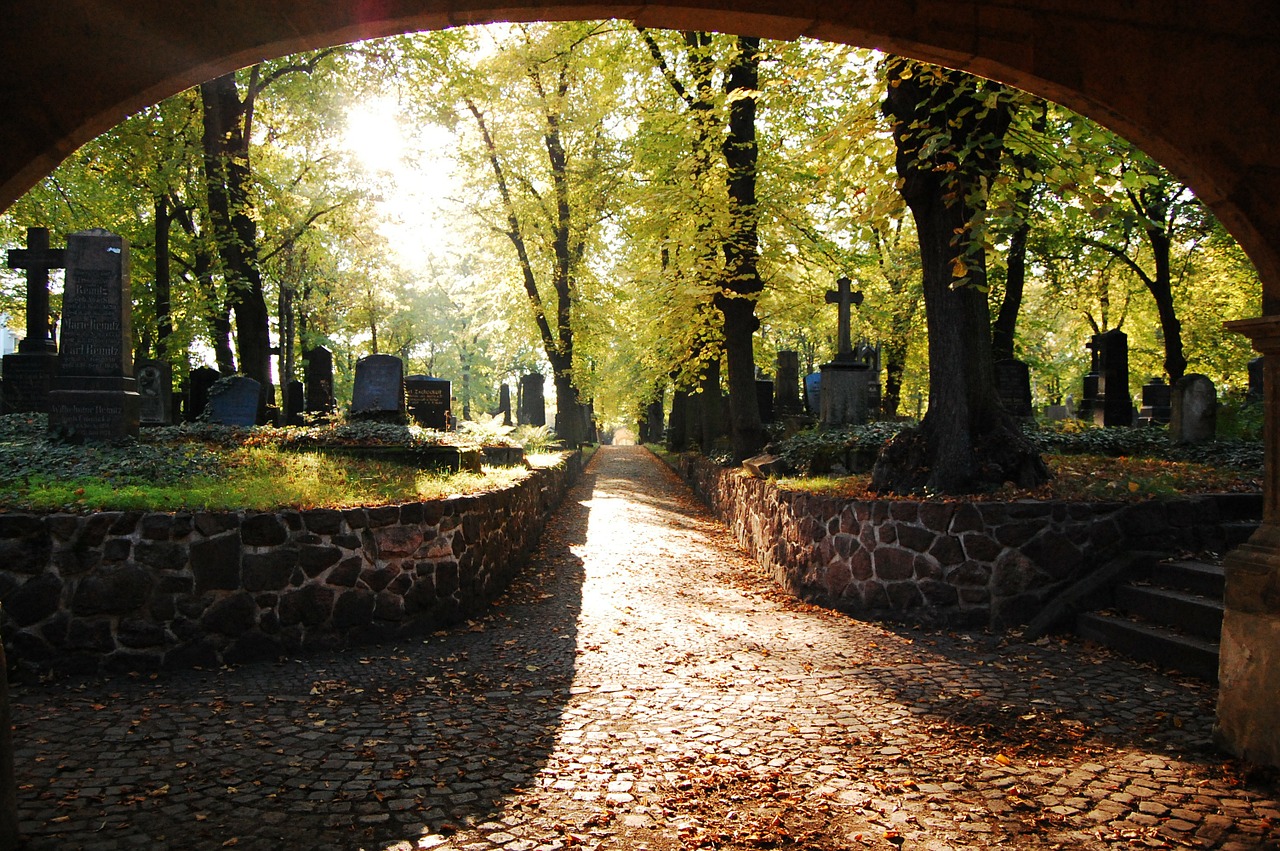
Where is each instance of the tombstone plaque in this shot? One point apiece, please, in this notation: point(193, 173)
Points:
point(504, 403)
point(1157, 403)
point(533, 404)
point(786, 384)
point(198, 384)
point(428, 400)
point(379, 389)
point(1195, 410)
point(813, 392)
point(1111, 406)
point(764, 399)
point(233, 401)
point(294, 403)
point(155, 392)
point(318, 377)
point(95, 397)
point(1013, 384)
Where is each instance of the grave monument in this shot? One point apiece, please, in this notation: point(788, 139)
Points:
point(428, 399)
point(155, 391)
point(786, 385)
point(94, 397)
point(1106, 397)
point(318, 379)
point(378, 393)
point(1013, 384)
point(233, 401)
point(845, 389)
point(504, 403)
point(533, 405)
point(1195, 410)
point(29, 372)
point(198, 383)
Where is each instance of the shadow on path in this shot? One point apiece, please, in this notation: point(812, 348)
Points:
point(364, 747)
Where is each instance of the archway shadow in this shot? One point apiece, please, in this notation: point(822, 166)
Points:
point(367, 747)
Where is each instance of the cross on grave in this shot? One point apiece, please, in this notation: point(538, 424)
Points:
point(844, 296)
point(37, 259)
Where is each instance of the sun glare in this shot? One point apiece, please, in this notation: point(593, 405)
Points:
point(374, 135)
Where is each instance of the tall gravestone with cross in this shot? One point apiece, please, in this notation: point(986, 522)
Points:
point(845, 388)
point(29, 372)
point(94, 397)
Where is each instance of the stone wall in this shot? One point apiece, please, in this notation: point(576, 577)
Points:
point(958, 563)
point(144, 591)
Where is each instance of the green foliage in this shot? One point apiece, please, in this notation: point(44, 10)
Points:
point(534, 439)
point(819, 451)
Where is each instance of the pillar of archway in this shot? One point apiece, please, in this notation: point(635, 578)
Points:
point(1249, 668)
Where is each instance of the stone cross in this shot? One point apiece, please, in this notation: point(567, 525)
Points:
point(37, 259)
point(844, 296)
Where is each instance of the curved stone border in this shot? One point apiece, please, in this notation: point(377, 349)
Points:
point(993, 564)
point(144, 591)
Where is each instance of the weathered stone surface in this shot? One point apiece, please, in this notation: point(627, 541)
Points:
point(35, 600)
point(232, 616)
point(314, 559)
point(354, 608)
point(311, 605)
point(323, 521)
point(215, 562)
point(893, 564)
point(161, 555)
point(263, 530)
point(397, 541)
point(112, 590)
point(346, 573)
point(268, 571)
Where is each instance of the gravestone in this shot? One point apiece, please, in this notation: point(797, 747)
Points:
point(1257, 380)
point(786, 384)
point(504, 404)
point(28, 373)
point(764, 399)
point(1013, 384)
point(533, 404)
point(1111, 405)
point(845, 396)
point(318, 378)
point(198, 384)
point(428, 399)
point(1056, 413)
point(155, 392)
point(378, 393)
point(813, 392)
point(233, 401)
point(1157, 403)
point(1195, 410)
point(294, 403)
point(94, 396)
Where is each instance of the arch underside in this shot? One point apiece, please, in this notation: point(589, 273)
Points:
point(1192, 86)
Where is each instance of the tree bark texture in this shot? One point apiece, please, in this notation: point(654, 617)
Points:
point(966, 442)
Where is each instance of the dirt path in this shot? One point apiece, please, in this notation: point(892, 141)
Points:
point(643, 687)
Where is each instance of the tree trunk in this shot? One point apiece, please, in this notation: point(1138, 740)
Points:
point(164, 281)
point(1161, 288)
point(677, 423)
point(966, 441)
point(742, 285)
point(1005, 325)
point(228, 181)
point(711, 425)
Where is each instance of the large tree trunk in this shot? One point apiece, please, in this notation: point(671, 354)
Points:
point(966, 441)
point(742, 285)
point(164, 281)
point(229, 181)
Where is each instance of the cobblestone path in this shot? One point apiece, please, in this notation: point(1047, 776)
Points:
point(643, 687)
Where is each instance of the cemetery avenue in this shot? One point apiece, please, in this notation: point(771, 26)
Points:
point(643, 686)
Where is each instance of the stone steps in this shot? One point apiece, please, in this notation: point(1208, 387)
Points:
point(1168, 613)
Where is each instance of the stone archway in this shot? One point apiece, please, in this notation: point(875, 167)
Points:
point(1193, 84)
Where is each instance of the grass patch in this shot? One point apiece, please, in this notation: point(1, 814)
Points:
point(203, 469)
point(1084, 478)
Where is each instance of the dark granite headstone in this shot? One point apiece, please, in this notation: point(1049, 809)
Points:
point(786, 384)
point(813, 392)
point(428, 399)
point(1013, 384)
point(294, 403)
point(764, 399)
point(318, 377)
point(198, 384)
point(233, 401)
point(533, 404)
point(1195, 410)
point(94, 397)
point(29, 373)
point(1157, 403)
point(379, 389)
point(1111, 405)
point(845, 394)
point(504, 404)
point(155, 392)
point(1257, 379)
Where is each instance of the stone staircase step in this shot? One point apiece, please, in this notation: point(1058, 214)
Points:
point(1208, 580)
point(1151, 643)
point(1237, 532)
point(1193, 614)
